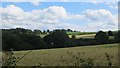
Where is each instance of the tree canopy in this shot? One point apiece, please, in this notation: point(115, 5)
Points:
point(101, 37)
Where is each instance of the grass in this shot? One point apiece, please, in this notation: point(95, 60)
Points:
point(55, 57)
point(80, 33)
point(84, 36)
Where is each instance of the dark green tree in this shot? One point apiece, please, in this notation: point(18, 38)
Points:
point(69, 30)
point(37, 32)
point(110, 33)
point(117, 37)
point(48, 31)
point(21, 39)
point(101, 37)
point(57, 38)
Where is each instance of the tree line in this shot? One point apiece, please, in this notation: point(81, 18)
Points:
point(26, 39)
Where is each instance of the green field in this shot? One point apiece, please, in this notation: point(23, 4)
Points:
point(80, 33)
point(84, 36)
point(77, 34)
point(55, 57)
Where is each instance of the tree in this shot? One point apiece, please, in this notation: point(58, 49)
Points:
point(101, 37)
point(69, 30)
point(73, 36)
point(44, 32)
point(57, 38)
point(110, 33)
point(37, 32)
point(37, 42)
point(10, 40)
point(63, 30)
point(117, 37)
point(48, 31)
point(21, 39)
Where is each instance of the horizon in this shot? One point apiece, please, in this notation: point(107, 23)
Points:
point(80, 16)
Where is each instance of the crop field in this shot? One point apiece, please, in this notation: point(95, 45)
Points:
point(77, 34)
point(84, 36)
point(80, 33)
point(60, 57)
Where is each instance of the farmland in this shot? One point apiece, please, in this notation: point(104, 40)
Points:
point(55, 57)
point(61, 48)
point(77, 34)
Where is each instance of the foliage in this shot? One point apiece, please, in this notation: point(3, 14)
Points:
point(84, 42)
point(110, 33)
point(108, 59)
point(57, 38)
point(80, 61)
point(37, 32)
point(101, 37)
point(25, 39)
point(11, 60)
point(117, 37)
point(21, 39)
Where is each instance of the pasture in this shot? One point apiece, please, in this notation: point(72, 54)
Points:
point(80, 33)
point(59, 56)
point(84, 36)
point(77, 34)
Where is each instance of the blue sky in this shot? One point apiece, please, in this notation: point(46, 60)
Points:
point(72, 7)
point(82, 16)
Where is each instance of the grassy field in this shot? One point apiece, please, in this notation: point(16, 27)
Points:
point(55, 57)
point(84, 36)
point(80, 33)
point(77, 34)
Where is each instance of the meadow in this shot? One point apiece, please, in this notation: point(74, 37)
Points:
point(60, 57)
point(77, 34)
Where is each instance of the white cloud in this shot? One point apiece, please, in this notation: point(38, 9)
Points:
point(57, 11)
point(97, 15)
point(58, 0)
point(35, 3)
point(94, 2)
point(11, 10)
point(113, 5)
point(17, 17)
point(101, 19)
point(50, 18)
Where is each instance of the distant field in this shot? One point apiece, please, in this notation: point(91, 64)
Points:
point(55, 57)
point(80, 33)
point(77, 34)
point(81, 36)
point(84, 36)
point(43, 35)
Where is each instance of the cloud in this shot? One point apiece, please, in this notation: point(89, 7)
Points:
point(101, 19)
point(35, 3)
point(113, 5)
point(55, 17)
point(97, 15)
point(16, 17)
point(58, 0)
point(95, 1)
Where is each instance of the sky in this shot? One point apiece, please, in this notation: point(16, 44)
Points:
point(80, 16)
